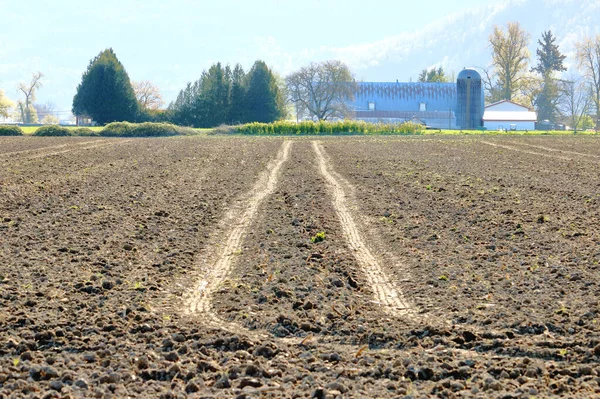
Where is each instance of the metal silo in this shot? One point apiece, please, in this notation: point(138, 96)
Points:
point(470, 103)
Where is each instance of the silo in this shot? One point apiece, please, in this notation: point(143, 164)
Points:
point(470, 103)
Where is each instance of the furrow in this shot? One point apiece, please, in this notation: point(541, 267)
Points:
point(385, 292)
point(200, 300)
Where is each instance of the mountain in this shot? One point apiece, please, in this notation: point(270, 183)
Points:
point(461, 39)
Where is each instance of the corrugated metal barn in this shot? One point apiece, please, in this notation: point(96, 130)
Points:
point(432, 103)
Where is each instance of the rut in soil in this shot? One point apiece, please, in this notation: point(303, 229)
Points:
point(506, 147)
point(384, 290)
point(92, 144)
point(200, 300)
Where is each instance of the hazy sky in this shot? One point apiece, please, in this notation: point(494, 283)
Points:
point(171, 42)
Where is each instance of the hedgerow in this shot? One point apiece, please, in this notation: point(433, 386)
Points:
point(328, 128)
point(10, 130)
point(84, 132)
point(52, 130)
point(147, 129)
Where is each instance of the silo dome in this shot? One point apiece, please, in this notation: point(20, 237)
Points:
point(470, 102)
point(468, 73)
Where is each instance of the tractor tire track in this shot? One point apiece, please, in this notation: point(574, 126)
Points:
point(385, 292)
point(557, 150)
point(526, 151)
point(200, 300)
point(89, 147)
point(53, 147)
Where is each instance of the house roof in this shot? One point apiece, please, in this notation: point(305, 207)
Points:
point(506, 116)
point(507, 101)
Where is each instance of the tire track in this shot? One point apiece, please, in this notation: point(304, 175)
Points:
point(384, 290)
point(200, 299)
point(557, 150)
point(90, 147)
point(53, 147)
point(526, 151)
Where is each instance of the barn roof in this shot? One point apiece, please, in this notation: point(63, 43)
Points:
point(507, 116)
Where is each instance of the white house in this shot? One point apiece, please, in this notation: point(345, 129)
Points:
point(507, 115)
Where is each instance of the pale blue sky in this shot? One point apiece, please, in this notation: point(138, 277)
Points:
point(171, 42)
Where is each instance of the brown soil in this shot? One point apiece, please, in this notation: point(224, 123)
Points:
point(450, 267)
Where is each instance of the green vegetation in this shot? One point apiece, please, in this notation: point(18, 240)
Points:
point(10, 130)
point(327, 128)
point(319, 237)
point(52, 130)
point(147, 129)
point(115, 129)
point(105, 93)
point(223, 96)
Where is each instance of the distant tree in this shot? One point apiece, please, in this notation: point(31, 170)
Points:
point(575, 102)
point(50, 119)
point(44, 109)
point(263, 98)
point(550, 61)
point(588, 57)
point(215, 86)
point(510, 58)
point(322, 90)
point(185, 110)
point(434, 75)
point(148, 95)
point(283, 98)
point(237, 97)
point(105, 93)
point(27, 112)
point(5, 105)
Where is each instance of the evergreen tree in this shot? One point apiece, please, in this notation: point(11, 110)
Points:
point(105, 93)
point(550, 60)
point(237, 99)
point(263, 100)
point(215, 88)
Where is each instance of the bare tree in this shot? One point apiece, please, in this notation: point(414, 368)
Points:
point(575, 102)
point(322, 90)
point(148, 95)
point(588, 57)
point(510, 58)
point(27, 111)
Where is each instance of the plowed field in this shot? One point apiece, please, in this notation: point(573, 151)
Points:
point(289, 268)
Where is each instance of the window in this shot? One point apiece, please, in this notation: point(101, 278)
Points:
point(422, 107)
point(371, 106)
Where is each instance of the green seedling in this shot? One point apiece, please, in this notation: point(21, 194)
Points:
point(320, 236)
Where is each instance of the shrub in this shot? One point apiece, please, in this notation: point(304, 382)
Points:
point(147, 129)
point(223, 129)
point(52, 130)
point(10, 130)
point(118, 129)
point(84, 132)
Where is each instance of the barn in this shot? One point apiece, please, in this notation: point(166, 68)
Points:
point(456, 105)
point(432, 104)
point(508, 115)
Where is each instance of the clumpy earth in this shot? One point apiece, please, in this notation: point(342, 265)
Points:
point(493, 241)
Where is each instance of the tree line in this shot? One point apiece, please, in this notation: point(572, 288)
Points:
point(572, 98)
point(323, 91)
